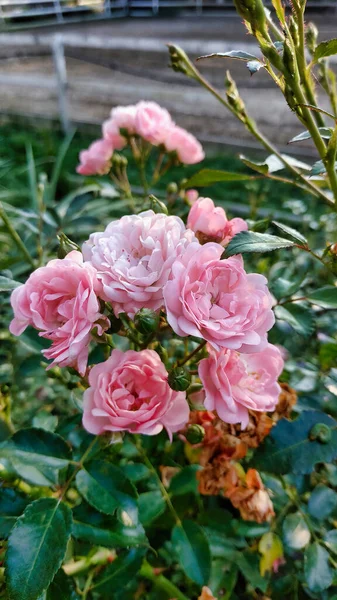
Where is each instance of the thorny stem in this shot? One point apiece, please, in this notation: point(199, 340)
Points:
point(252, 127)
point(15, 236)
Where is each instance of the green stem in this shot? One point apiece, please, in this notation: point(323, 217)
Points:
point(159, 481)
point(252, 127)
point(193, 353)
point(161, 582)
point(15, 236)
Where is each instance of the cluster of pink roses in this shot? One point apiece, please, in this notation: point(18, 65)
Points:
point(146, 120)
point(154, 261)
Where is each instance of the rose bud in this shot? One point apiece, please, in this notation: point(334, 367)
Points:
point(147, 321)
point(195, 434)
point(179, 379)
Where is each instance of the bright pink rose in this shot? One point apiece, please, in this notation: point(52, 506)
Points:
point(187, 147)
point(152, 122)
point(60, 300)
point(217, 300)
point(122, 117)
point(134, 256)
point(211, 221)
point(97, 159)
point(129, 392)
point(235, 383)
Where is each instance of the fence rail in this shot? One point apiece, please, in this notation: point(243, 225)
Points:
point(27, 11)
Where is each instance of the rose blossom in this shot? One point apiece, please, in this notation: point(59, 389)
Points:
point(122, 117)
point(191, 196)
point(217, 300)
point(235, 383)
point(60, 300)
point(134, 256)
point(152, 122)
point(97, 159)
point(130, 392)
point(210, 221)
point(187, 147)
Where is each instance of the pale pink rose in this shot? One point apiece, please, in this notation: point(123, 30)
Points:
point(97, 159)
point(211, 222)
point(152, 122)
point(134, 256)
point(122, 117)
point(235, 383)
point(130, 392)
point(61, 301)
point(217, 300)
point(191, 196)
point(187, 147)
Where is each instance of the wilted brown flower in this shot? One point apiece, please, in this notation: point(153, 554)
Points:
point(249, 497)
point(287, 399)
point(206, 594)
point(167, 474)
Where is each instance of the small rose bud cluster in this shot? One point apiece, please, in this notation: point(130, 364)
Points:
point(147, 270)
point(145, 121)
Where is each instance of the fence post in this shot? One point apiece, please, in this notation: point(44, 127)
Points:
point(58, 10)
point(61, 78)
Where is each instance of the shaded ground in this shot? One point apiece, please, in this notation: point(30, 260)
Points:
point(136, 66)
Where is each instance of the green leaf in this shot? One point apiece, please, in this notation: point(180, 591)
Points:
point(326, 133)
point(106, 488)
point(318, 168)
point(292, 232)
point(298, 317)
point(8, 285)
point(36, 547)
point(324, 49)
point(61, 588)
point(50, 189)
point(255, 166)
point(289, 447)
point(112, 536)
point(317, 571)
point(12, 506)
point(296, 533)
point(119, 573)
point(185, 481)
point(191, 546)
point(36, 455)
point(331, 540)
point(151, 505)
point(238, 54)
point(248, 564)
point(322, 502)
point(45, 420)
point(325, 297)
point(251, 241)
point(207, 177)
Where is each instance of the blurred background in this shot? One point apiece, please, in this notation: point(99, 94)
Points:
point(72, 60)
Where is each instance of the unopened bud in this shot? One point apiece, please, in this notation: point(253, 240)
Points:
point(66, 245)
point(253, 12)
point(195, 434)
point(293, 28)
point(320, 433)
point(179, 379)
point(272, 54)
point(123, 161)
point(311, 35)
point(147, 321)
point(180, 61)
point(233, 96)
point(172, 188)
point(288, 60)
point(157, 205)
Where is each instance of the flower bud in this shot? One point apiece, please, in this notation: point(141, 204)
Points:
point(195, 434)
point(172, 188)
point(66, 246)
point(293, 28)
point(320, 433)
point(180, 61)
point(157, 205)
point(179, 379)
point(253, 12)
point(311, 35)
point(147, 321)
point(233, 96)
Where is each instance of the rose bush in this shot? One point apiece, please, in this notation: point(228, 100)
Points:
point(168, 393)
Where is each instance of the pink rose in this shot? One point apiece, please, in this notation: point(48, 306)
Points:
point(235, 383)
point(129, 392)
point(217, 300)
point(191, 196)
point(60, 300)
point(122, 117)
point(97, 159)
point(152, 122)
point(134, 256)
point(187, 147)
point(210, 221)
